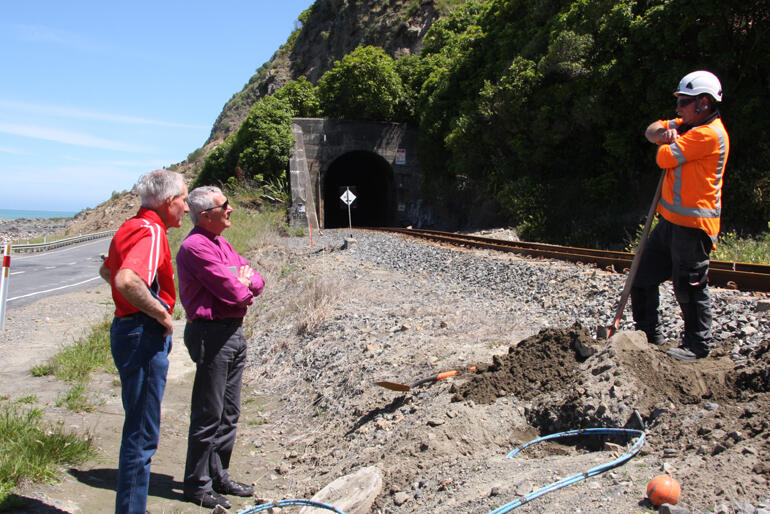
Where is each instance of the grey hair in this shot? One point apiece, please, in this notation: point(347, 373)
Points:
point(156, 186)
point(200, 199)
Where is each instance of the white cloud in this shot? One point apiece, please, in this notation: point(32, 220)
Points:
point(14, 151)
point(67, 112)
point(66, 137)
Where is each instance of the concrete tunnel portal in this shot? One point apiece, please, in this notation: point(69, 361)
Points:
point(370, 178)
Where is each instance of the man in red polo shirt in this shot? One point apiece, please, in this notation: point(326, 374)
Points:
point(139, 270)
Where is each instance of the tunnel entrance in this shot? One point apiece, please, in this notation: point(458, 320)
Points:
point(370, 178)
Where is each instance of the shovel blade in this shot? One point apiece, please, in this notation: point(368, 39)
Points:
point(393, 386)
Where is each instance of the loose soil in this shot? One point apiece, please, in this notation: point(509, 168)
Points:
point(312, 412)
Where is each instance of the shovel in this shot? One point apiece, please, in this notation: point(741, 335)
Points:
point(607, 332)
point(394, 386)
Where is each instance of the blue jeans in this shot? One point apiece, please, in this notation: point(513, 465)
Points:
point(140, 351)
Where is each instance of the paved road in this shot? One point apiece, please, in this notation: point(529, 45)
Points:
point(35, 276)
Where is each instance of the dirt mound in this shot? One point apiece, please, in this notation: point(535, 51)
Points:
point(544, 362)
point(574, 381)
point(756, 376)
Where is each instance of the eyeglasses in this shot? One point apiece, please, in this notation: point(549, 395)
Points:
point(223, 206)
point(684, 101)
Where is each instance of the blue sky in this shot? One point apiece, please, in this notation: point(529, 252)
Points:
point(93, 94)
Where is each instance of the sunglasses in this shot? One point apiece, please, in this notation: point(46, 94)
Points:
point(684, 101)
point(224, 207)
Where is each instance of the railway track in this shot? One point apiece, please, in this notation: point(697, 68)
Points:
point(733, 275)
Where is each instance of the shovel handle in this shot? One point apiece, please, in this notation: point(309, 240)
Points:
point(636, 260)
point(435, 378)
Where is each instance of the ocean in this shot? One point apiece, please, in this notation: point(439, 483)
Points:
point(12, 214)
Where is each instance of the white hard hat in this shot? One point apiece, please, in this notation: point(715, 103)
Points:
point(699, 82)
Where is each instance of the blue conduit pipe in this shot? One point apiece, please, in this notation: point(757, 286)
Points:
point(580, 476)
point(290, 503)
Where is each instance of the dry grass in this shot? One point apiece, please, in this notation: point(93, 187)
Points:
point(316, 305)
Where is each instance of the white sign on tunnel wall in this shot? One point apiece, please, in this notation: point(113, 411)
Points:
point(401, 156)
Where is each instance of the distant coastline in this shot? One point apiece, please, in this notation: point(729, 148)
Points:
point(13, 214)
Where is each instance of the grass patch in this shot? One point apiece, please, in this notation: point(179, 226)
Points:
point(32, 449)
point(316, 305)
point(75, 363)
point(734, 248)
point(76, 399)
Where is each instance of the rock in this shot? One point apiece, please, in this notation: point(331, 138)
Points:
point(352, 494)
point(667, 508)
point(718, 448)
point(524, 488)
point(401, 498)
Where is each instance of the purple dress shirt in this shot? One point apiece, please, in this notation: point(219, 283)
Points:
point(208, 278)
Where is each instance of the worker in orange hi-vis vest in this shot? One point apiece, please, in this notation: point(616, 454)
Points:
point(693, 150)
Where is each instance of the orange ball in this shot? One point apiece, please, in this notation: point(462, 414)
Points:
point(663, 489)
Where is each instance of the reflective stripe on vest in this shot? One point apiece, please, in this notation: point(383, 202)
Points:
point(676, 207)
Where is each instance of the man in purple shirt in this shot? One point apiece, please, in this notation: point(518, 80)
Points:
point(216, 285)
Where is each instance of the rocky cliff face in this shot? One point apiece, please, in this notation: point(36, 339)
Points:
point(332, 29)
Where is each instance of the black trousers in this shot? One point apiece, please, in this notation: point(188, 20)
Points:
point(682, 255)
point(219, 351)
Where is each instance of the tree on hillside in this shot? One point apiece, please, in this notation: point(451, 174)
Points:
point(363, 85)
point(302, 96)
point(264, 141)
point(260, 149)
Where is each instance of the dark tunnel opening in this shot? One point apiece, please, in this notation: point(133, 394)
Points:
point(370, 179)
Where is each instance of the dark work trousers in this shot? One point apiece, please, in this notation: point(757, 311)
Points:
point(218, 348)
point(682, 255)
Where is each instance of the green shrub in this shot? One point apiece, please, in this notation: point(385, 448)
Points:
point(363, 85)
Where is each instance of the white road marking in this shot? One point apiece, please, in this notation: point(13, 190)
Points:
point(50, 290)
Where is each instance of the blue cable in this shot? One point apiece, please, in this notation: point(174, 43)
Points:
point(289, 503)
point(580, 476)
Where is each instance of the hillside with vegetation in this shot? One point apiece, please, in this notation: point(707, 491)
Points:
point(531, 114)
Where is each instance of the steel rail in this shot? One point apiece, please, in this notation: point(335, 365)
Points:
point(734, 275)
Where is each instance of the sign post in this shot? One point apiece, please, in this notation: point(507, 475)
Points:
point(4, 283)
point(348, 197)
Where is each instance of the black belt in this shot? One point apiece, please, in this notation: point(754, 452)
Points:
point(220, 321)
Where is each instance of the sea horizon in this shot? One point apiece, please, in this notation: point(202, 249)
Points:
point(13, 214)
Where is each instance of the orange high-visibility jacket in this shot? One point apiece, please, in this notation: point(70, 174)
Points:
point(692, 187)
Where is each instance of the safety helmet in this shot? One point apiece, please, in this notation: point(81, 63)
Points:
point(699, 82)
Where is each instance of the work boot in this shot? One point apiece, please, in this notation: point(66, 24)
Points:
point(209, 500)
point(686, 354)
point(235, 488)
